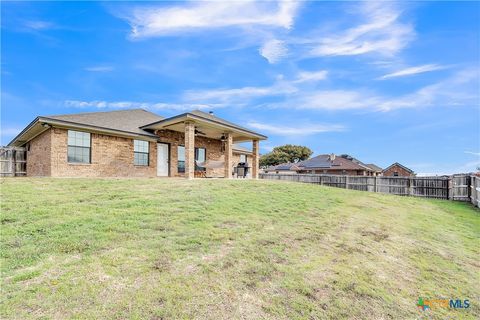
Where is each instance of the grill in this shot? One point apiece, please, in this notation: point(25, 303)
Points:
point(241, 170)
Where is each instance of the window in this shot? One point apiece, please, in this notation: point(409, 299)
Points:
point(200, 156)
point(181, 158)
point(243, 158)
point(140, 153)
point(395, 173)
point(78, 147)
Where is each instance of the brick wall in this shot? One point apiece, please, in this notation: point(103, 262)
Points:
point(110, 157)
point(395, 168)
point(38, 155)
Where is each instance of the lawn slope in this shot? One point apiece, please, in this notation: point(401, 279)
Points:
point(218, 249)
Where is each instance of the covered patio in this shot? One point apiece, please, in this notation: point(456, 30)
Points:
point(197, 124)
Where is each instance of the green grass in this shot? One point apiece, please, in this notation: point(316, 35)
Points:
point(218, 249)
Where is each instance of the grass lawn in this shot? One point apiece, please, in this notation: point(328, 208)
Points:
point(218, 249)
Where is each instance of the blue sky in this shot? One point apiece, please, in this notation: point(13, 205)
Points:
point(384, 82)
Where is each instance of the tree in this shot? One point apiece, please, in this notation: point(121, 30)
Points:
point(287, 153)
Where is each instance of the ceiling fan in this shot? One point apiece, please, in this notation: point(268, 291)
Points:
point(198, 132)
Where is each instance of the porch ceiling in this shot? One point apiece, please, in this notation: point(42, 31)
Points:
point(211, 127)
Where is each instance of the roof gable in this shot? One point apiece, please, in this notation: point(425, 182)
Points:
point(399, 165)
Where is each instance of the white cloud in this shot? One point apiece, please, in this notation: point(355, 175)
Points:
point(100, 69)
point(239, 95)
point(307, 129)
point(195, 16)
point(134, 104)
point(382, 32)
point(413, 70)
point(305, 76)
point(459, 89)
point(274, 50)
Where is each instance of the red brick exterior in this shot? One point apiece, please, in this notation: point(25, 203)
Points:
point(112, 156)
point(39, 158)
point(390, 172)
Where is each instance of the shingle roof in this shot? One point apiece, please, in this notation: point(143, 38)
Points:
point(123, 120)
point(320, 161)
point(284, 166)
point(323, 161)
point(374, 167)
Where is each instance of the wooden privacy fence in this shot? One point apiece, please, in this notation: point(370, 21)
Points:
point(456, 187)
point(13, 162)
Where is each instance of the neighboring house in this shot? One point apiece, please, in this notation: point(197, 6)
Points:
point(398, 170)
point(284, 168)
point(333, 164)
point(377, 171)
point(135, 143)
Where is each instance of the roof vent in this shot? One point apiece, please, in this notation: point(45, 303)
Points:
point(332, 157)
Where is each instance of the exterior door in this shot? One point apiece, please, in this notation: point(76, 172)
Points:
point(162, 159)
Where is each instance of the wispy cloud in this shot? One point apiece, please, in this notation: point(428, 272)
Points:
point(413, 70)
point(459, 89)
point(281, 87)
point(100, 69)
point(194, 16)
point(381, 32)
point(39, 25)
point(274, 50)
point(306, 76)
point(99, 104)
point(471, 152)
point(244, 94)
point(306, 129)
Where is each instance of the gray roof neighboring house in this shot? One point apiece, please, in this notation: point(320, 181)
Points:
point(320, 161)
point(283, 167)
point(374, 167)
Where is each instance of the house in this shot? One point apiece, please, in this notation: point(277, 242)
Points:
point(284, 168)
point(398, 170)
point(333, 164)
point(377, 171)
point(136, 143)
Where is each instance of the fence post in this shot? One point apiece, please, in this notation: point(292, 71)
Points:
point(14, 163)
point(375, 184)
point(346, 182)
point(450, 187)
point(411, 191)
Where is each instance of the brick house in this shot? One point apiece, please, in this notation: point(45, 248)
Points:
point(136, 143)
point(398, 170)
point(333, 164)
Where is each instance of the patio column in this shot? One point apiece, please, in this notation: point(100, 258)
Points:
point(228, 156)
point(256, 159)
point(189, 150)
